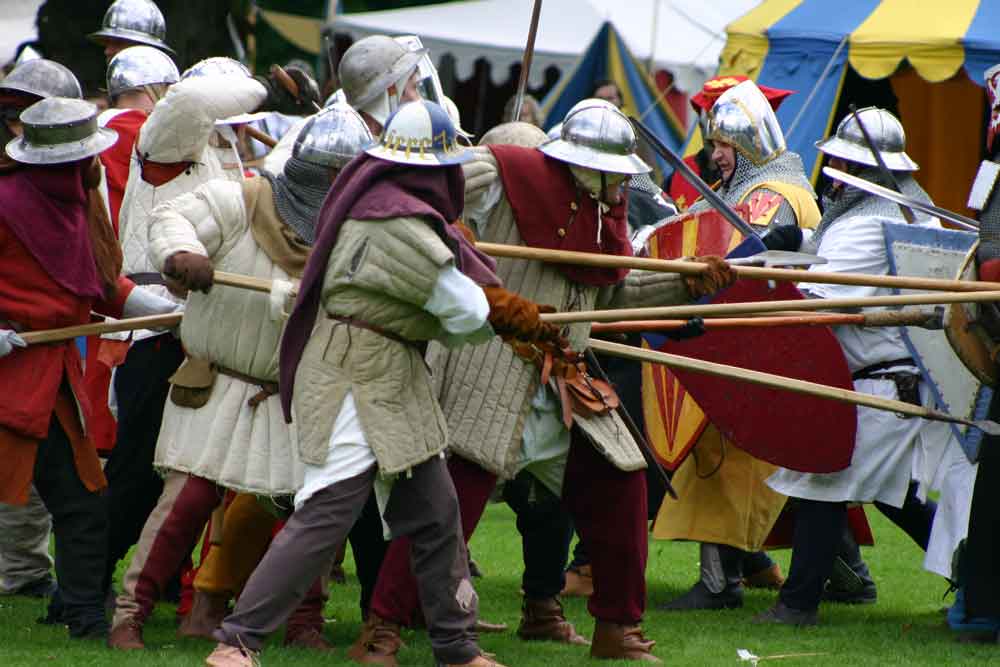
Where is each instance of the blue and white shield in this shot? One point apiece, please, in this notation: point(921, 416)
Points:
point(933, 252)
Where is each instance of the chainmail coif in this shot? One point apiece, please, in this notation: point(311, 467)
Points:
point(299, 191)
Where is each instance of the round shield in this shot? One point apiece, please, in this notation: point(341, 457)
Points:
point(970, 341)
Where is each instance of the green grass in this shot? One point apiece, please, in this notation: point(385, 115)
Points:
point(904, 628)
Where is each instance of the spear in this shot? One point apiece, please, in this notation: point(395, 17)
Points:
point(165, 321)
point(880, 318)
point(529, 52)
point(787, 384)
point(728, 309)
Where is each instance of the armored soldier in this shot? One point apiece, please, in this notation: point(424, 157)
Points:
point(130, 22)
point(377, 75)
point(887, 447)
point(731, 511)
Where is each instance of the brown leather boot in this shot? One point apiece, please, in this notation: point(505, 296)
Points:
point(579, 582)
point(126, 636)
point(207, 612)
point(767, 578)
point(479, 661)
point(378, 643)
point(613, 641)
point(544, 619)
point(300, 636)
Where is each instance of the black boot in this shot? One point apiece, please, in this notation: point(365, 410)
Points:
point(850, 580)
point(720, 586)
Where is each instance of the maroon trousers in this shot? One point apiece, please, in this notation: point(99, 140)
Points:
point(608, 507)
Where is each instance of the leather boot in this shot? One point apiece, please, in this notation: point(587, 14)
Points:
point(579, 582)
point(479, 661)
point(613, 641)
point(307, 636)
point(126, 636)
point(207, 612)
point(770, 578)
point(721, 583)
point(378, 643)
point(544, 619)
point(850, 580)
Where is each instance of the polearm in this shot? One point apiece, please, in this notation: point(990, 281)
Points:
point(751, 307)
point(755, 272)
point(879, 318)
point(883, 169)
point(165, 321)
point(786, 384)
point(529, 53)
point(962, 221)
point(727, 212)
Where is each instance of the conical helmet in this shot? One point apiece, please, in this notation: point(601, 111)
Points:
point(58, 130)
point(743, 118)
point(596, 135)
point(886, 132)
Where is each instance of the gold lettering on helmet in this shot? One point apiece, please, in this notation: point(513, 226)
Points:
point(425, 144)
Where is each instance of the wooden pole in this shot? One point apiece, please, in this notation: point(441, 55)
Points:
point(781, 382)
point(755, 272)
point(881, 318)
point(97, 328)
point(729, 309)
point(240, 280)
point(262, 137)
point(529, 52)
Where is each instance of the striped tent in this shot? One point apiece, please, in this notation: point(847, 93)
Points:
point(607, 57)
point(932, 53)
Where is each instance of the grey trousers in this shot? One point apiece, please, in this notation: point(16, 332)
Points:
point(422, 506)
point(24, 544)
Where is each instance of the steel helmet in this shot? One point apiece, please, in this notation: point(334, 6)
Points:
point(420, 133)
point(743, 118)
point(220, 66)
point(138, 21)
point(371, 66)
point(886, 132)
point(332, 137)
point(58, 130)
point(596, 135)
point(139, 66)
point(44, 78)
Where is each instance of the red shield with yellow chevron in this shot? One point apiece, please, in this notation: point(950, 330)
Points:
point(674, 422)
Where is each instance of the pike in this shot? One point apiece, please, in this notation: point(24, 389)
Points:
point(787, 384)
point(529, 52)
point(731, 216)
point(728, 309)
point(741, 271)
point(965, 223)
point(164, 321)
point(880, 318)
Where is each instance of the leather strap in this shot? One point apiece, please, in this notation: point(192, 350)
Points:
point(420, 346)
point(267, 388)
point(868, 372)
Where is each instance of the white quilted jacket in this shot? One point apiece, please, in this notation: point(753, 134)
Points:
point(241, 447)
point(178, 130)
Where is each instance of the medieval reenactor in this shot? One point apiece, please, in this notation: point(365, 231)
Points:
point(174, 155)
point(887, 446)
point(389, 272)
point(61, 262)
point(731, 511)
point(587, 458)
point(130, 22)
point(377, 76)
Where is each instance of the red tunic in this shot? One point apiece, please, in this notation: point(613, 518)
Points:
point(116, 159)
point(31, 378)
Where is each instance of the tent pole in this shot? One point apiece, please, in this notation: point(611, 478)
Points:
point(815, 88)
point(652, 37)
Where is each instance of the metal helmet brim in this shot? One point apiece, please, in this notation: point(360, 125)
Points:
point(849, 142)
point(585, 156)
point(597, 135)
point(58, 130)
point(136, 38)
point(420, 134)
point(43, 78)
point(836, 147)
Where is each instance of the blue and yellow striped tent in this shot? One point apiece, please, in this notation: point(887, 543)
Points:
point(608, 57)
point(933, 52)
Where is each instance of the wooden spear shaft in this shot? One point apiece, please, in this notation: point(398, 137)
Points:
point(97, 328)
point(727, 309)
point(781, 382)
point(881, 318)
point(755, 272)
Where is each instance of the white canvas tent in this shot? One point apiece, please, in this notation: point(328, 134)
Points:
point(683, 36)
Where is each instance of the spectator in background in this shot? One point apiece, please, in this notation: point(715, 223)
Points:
point(531, 111)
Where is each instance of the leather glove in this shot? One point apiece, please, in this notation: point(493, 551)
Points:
point(192, 271)
point(9, 340)
point(783, 237)
point(293, 93)
point(718, 275)
point(513, 316)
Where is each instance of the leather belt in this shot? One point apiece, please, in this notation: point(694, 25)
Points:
point(875, 370)
point(146, 278)
point(419, 346)
point(267, 388)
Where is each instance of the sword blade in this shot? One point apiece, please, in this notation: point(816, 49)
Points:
point(694, 179)
point(899, 198)
point(778, 258)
